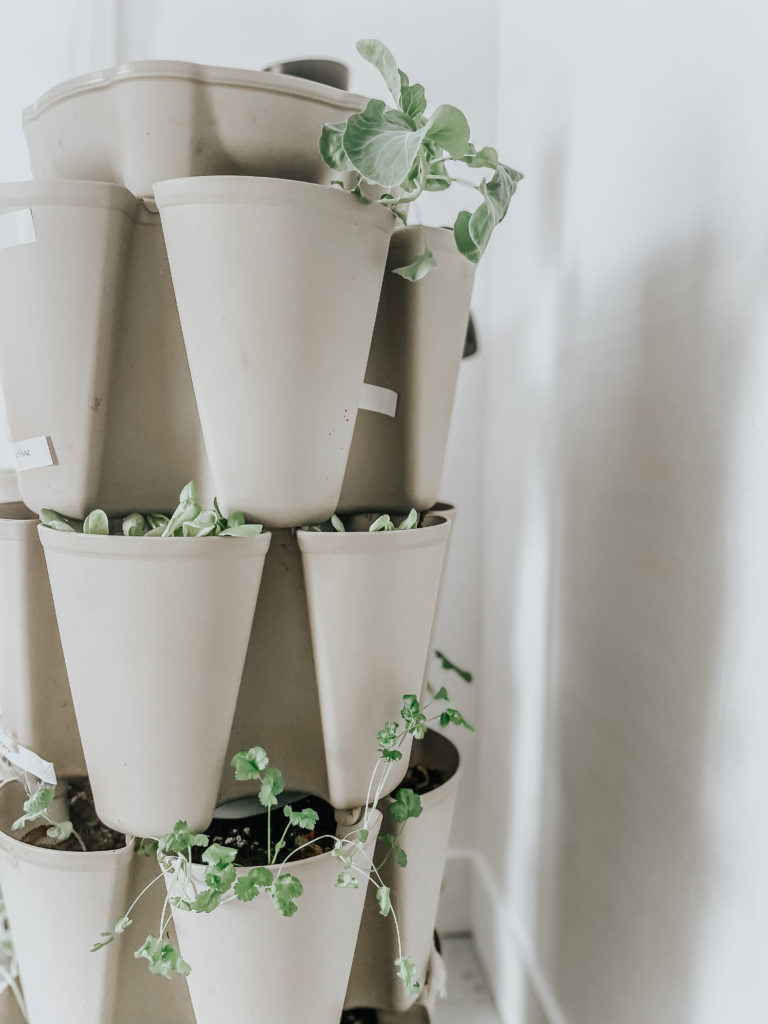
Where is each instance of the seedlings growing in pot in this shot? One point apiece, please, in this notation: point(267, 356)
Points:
point(188, 520)
point(383, 522)
point(407, 153)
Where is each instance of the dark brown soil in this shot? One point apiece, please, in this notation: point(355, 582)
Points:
point(422, 779)
point(94, 833)
point(249, 835)
point(359, 1017)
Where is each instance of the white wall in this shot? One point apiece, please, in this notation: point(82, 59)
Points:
point(624, 813)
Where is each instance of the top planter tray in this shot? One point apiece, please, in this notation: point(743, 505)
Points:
point(146, 121)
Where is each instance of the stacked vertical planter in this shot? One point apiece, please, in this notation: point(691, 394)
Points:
point(191, 299)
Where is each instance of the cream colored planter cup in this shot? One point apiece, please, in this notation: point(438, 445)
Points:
point(154, 632)
point(145, 121)
point(395, 462)
point(35, 701)
point(277, 284)
point(415, 889)
point(91, 354)
point(59, 904)
point(371, 600)
point(248, 961)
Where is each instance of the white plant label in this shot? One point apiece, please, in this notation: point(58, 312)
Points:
point(33, 454)
point(376, 399)
point(27, 760)
point(17, 228)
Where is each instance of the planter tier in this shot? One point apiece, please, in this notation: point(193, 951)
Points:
point(59, 904)
point(35, 700)
point(415, 889)
point(146, 121)
point(91, 353)
point(371, 599)
point(247, 959)
point(395, 462)
point(277, 284)
point(154, 632)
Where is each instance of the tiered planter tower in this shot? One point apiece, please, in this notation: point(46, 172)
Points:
point(191, 299)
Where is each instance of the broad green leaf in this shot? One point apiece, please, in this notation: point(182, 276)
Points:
point(473, 232)
point(272, 786)
point(245, 530)
point(204, 524)
point(163, 958)
point(221, 878)
point(414, 718)
point(376, 53)
point(382, 144)
point(391, 755)
point(414, 271)
point(362, 835)
point(449, 666)
point(96, 522)
point(337, 524)
point(453, 717)
point(285, 889)
point(411, 521)
point(388, 735)
point(401, 857)
point(302, 819)
point(382, 523)
point(347, 880)
point(448, 128)
point(59, 524)
point(187, 510)
point(56, 521)
point(219, 856)
point(134, 525)
point(485, 157)
point(61, 831)
point(206, 901)
point(464, 242)
point(34, 807)
point(383, 898)
point(147, 848)
point(437, 178)
point(180, 839)
point(407, 973)
point(236, 519)
point(249, 764)
point(156, 531)
point(249, 886)
point(332, 147)
point(413, 102)
point(155, 519)
point(406, 804)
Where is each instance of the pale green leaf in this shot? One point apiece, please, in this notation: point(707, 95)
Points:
point(382, 144)
point(332, 147)
point(418, 268)
point(134, 525)
point(376, 53)
point(448, 129)
point(96, 522)
point(384, 901)
point(249, 764)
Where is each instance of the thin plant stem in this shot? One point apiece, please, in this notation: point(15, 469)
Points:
point(11, 983)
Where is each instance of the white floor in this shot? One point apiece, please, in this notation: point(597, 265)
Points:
point(468, 1000)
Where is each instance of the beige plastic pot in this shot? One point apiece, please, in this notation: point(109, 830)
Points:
point(445, 511)
point(415, 889)
point(146, 121)
point(278, 705)
point(303, 961)
point(371, 600)
point(35, 700)
point(91, 354)
point(142, 996)
point(58, 904)
point(277, 284)
point(154, 632)
point(395, 462)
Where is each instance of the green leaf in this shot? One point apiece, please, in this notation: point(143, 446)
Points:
point(96, 522)
point(34, 807)
point(218, 855)
point(121, 925)
point(407, 973)
point(163, 958)
point(414, 718)
point(414, 271)
point(56, 521)
point(134, 525)
point(437, 178)
point(332, 147)
point(249, 764)
point(180, 839)
point(464, 242)
point(155, 519)
point(347, 880)
point(454, 717)
point(285, 889)
point(245, 530)
point(147, 848)
point(413, 102)
point(391, 755)
point(442, 694)
point(384, 901)
point(382, 523)
point(449, 666)
point(306, 818)
point(221, 873)
point(388, 735)
point(485, 157)
point(472, 233)
point(376, 53)
point(411, 521)
point(382, 144)
point(406, 804)
point(204, 524)
point(337, 524)
point(187, 510)
point(61, 831)
point(249, 886)
point(401, 857)
point(236, 519)
point(207, 901)
point(448, 129)
point(272, 786)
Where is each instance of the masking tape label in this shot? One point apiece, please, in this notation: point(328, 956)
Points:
point(33, 454)
point(17, 228)
point(26, 760)
point(376, 399)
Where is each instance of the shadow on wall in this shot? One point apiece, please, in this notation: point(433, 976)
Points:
point(648, 385)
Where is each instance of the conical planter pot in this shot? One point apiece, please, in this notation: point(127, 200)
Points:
point(146, 121)
point(154, 632)
point(142, 996)
point(278, 706)
point(35, 700)
point(440, 510)
point(371, 599)
point(415, 889)
point(91, 353)
point(396, 461)
point(303, 961)
point(262, 268)
point(59, 903)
